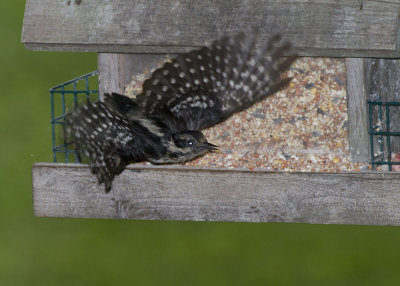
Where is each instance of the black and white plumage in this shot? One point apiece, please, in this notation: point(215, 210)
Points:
point(194, 91)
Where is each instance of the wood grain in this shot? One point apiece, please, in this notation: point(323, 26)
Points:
point(116, 70)
point(357, 110)
point(198, 194)
point(382, 82)
point(316, 27)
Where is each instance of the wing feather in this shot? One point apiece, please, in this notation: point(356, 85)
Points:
point(205, 86)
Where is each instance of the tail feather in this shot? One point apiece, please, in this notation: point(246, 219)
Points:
point(98, 134)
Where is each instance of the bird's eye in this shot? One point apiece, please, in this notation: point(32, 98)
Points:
point(190, 143)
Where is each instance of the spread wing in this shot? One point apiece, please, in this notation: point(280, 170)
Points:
point(204, 87)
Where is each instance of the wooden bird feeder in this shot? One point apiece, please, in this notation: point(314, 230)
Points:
point(131, 35)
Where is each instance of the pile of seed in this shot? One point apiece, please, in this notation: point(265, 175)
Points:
point(301, 128)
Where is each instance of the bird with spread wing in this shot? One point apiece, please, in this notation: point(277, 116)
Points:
point(194, 91)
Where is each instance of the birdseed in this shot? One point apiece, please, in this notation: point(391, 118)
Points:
point(301, 128)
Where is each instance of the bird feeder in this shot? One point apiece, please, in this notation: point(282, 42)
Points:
point(131, 36)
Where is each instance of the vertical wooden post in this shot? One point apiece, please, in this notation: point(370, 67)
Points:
point(110, 69)
point(383, 82)
point(357, 110)
point(116, 70)
point(371, 78)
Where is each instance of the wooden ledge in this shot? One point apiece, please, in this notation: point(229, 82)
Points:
point(202, 194)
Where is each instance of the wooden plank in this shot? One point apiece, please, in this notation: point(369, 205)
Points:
point(315, 27)
point(117, 70)
point(357, 111)
point(382, 81)
point(198, 194)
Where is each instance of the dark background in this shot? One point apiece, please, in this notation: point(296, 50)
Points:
point(49, 251)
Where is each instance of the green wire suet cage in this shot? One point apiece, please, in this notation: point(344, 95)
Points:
point(381, 133)
point(64, 98)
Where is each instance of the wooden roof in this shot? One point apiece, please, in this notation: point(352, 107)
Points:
point(350, 28)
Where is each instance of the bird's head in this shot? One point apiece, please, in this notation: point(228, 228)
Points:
point(191, 144)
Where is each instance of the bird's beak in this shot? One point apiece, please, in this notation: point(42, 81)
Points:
point(212, 147)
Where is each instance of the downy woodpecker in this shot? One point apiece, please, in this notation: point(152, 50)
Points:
point(194, 91)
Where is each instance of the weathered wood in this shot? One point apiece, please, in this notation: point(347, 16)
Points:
point(315, 27)
point(382, 81)
point(357, 111)
point(109, 68)
point(117, 70)
point(182, 193)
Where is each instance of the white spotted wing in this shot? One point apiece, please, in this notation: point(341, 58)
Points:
point(204, 87)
